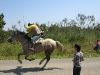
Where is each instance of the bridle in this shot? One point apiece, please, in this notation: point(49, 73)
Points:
point(12, 36)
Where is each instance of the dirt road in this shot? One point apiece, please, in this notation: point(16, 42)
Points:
point(91, 66)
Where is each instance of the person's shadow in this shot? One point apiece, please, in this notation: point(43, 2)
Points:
point(19, 70)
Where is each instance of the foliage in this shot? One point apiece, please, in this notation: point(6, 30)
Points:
point(2, 22)
point(83, 30)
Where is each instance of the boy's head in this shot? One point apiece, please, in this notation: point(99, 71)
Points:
point(77, 47)
point(98, 41)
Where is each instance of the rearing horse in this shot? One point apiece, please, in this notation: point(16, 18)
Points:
point(48, 46)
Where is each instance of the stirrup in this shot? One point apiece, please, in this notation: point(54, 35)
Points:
point(32, 49)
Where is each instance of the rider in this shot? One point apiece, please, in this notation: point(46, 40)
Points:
point(34, 32)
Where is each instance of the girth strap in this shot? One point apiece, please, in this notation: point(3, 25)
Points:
point(25, 43)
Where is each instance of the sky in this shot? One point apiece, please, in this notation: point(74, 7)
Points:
point(42, 11)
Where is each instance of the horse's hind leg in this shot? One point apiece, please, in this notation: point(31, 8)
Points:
point(48, 59)
point(43, 58)
point(22, 53)
point(26, 57)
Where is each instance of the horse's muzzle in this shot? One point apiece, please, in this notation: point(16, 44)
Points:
point(9, 40)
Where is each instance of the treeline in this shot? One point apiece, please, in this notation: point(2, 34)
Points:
point(83, 28)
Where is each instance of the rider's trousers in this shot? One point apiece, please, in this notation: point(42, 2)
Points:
point(35, 38)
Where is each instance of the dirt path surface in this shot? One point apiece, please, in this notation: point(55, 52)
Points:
point(91, 66)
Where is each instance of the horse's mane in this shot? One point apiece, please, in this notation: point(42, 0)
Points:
point(24, 34)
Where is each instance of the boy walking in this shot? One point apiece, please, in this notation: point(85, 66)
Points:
point(78, 58)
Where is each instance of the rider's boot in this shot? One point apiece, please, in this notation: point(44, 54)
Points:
point(32, 48)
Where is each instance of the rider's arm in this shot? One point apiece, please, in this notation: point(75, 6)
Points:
point(29, 27)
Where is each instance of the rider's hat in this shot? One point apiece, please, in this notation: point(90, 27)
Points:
point(29, 24)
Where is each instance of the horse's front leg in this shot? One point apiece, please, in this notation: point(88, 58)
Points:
point(22, 53)
point(26, 57)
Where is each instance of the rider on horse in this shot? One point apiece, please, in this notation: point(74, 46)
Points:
point(34, 32)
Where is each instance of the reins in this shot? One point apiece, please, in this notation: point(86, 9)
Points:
point(22, 40)
point(25, 42)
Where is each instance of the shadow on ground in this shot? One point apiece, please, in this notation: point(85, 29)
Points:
point(19, 70)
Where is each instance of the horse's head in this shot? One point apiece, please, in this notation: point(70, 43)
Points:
point(13, 36)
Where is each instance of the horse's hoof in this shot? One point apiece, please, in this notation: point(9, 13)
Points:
point(42, 68)
point(20, 61)
point(31, 59)
point(40, 63)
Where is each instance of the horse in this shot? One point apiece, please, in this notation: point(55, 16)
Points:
point(47, 45)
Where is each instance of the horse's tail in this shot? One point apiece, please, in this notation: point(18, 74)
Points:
point(59, 46)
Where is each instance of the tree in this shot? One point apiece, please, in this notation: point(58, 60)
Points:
point(84, 20)
point(65, 20)
point(2, 32)
point(2, 22)
point(97, 31)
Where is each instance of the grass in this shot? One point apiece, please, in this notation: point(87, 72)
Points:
point(10, 51)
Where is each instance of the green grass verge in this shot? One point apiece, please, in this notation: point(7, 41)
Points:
point(10, 51)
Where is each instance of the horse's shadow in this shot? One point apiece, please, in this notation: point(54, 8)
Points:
point(19, 70)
